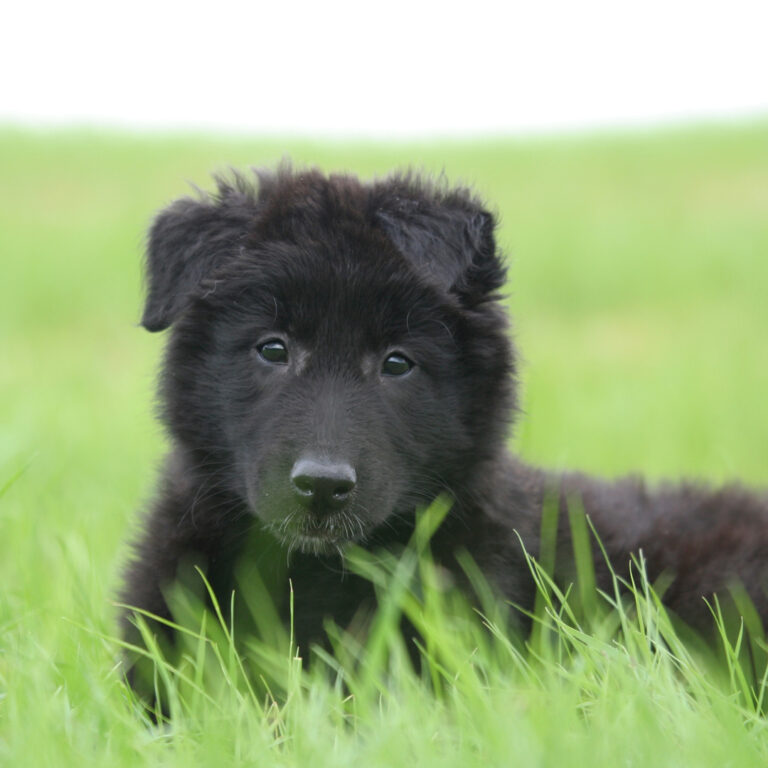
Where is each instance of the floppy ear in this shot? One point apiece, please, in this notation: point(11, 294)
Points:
point(187, 242)
point(448, 238)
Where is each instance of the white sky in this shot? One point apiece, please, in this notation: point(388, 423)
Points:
point(387, 68)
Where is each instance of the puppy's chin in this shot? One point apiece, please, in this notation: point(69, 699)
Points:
point(314, 545)
point(299, 531)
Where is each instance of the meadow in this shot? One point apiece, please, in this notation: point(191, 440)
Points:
point(638, 282)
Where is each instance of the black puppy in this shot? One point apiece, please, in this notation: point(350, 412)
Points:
point(339, 357)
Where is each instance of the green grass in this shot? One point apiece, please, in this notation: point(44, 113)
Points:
point(638, 282)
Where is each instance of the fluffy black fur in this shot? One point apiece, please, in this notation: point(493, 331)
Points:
point(343, 275)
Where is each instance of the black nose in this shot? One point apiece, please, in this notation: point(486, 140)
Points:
point(323, 484)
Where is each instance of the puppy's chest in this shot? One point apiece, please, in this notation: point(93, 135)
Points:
point(319, 595)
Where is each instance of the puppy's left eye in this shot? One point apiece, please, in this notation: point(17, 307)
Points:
point(396, 365)
point(273, 351)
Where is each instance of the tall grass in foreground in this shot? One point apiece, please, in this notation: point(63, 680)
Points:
point(600, 672)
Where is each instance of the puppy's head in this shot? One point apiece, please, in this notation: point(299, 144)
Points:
point(337, 355)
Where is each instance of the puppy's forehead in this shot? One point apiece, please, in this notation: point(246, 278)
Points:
point(346, 294)
point(338, 282)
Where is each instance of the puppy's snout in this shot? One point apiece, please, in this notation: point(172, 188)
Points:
point(323, 484)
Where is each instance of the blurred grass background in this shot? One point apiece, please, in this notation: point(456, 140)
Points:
point(638, 282)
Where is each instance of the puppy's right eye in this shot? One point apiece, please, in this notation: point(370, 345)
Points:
point(396, 365)
point(273, 351)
